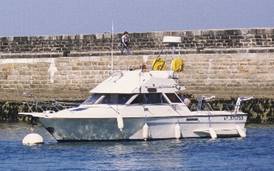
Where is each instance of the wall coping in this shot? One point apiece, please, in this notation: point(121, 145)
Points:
point(138, 52)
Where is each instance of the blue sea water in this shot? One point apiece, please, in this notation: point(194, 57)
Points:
point(256, 152)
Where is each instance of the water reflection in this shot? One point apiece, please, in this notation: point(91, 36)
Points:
point(186, 154)
point(17, 131)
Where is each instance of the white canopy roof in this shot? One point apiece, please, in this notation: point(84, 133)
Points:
point(127, 82)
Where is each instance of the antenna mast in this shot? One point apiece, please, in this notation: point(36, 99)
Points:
point(112, 35)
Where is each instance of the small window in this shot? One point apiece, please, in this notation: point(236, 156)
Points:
point(138, 100)
point(173, 98)
point(116, 98)
point(154, 98)
point(192, 119)
point(92, 99)
point(108, 98)
point(151, 98)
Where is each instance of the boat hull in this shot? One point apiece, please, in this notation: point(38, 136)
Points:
point(93, 129)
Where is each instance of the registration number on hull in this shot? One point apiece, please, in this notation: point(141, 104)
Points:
point(233, 118)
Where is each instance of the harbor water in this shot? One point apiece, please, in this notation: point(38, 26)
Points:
point(256, 152)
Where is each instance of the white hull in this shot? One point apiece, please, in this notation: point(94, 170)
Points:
point(91, 129)
point(136, 105)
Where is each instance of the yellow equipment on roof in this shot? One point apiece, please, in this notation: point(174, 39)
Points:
point(177, 64)
point(158, 64)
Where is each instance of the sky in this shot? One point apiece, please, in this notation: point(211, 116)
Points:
point(55, 17)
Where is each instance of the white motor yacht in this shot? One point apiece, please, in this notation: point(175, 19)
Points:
point(137, 105)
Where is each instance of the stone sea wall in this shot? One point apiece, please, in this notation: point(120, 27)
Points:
point(230, 41)
point(225, 63)
point(71, 78)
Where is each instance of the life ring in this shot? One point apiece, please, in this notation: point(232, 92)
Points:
point(177, 64)
point(158, 64)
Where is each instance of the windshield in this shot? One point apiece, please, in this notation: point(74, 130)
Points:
point(108, 99)
point(149, 98)
point(173, 98)
point(92, 99)
point(152, 98)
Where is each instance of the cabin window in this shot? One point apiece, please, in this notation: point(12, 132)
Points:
point(138, 100)
point(108, 98)
point(151, 98)
point(173, 98)
point(92, 99)
point(116, 98)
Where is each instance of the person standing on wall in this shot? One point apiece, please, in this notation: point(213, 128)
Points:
point(124, 44)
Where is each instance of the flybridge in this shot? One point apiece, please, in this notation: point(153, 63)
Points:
point(126, 82)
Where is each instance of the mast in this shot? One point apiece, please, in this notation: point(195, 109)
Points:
point(112, 35)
